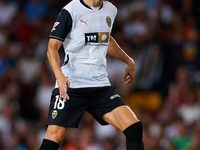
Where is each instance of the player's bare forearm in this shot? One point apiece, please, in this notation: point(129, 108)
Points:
point(54, 60)
point(115, 50)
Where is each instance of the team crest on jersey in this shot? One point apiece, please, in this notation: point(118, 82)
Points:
point(54, 114)
point(108, 20)
point(54, 26)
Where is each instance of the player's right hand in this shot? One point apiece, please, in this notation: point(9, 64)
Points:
point(63, 85)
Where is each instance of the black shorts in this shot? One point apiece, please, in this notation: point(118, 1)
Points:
point(97, 101)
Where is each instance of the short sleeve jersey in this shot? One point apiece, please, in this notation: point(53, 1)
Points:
point(85, 33)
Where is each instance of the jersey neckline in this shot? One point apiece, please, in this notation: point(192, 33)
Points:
point(84, 4)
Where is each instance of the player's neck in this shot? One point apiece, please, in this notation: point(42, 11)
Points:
point(93, 3)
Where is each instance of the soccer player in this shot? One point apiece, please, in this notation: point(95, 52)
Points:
point(83, 27)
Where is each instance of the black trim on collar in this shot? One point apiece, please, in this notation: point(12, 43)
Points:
point(82, 2)
point(101, 5)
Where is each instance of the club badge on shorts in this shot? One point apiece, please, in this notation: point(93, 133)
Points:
point(108, 20)
point(54, 114)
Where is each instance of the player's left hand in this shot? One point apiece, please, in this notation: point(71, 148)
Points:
point(129, 73)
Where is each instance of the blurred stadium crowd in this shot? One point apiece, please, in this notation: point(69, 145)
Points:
point(162, 36)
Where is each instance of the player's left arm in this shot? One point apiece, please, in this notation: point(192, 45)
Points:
point(115, 50)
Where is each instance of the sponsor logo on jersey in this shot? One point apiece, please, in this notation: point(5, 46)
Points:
point(97, 37)
point(54, 26)
point(54, 114)
point(109, 21)
point(114, 96)
point(84, 21)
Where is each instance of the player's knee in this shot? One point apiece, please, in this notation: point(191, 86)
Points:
point(134, 132)
point(55, 134)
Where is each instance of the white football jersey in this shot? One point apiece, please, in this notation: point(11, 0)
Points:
point(86, 42)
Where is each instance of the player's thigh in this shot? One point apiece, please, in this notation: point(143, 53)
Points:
point(55, 133)
point(121, 117)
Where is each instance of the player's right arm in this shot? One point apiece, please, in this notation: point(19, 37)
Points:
point(54, 60)
point(57, 36)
